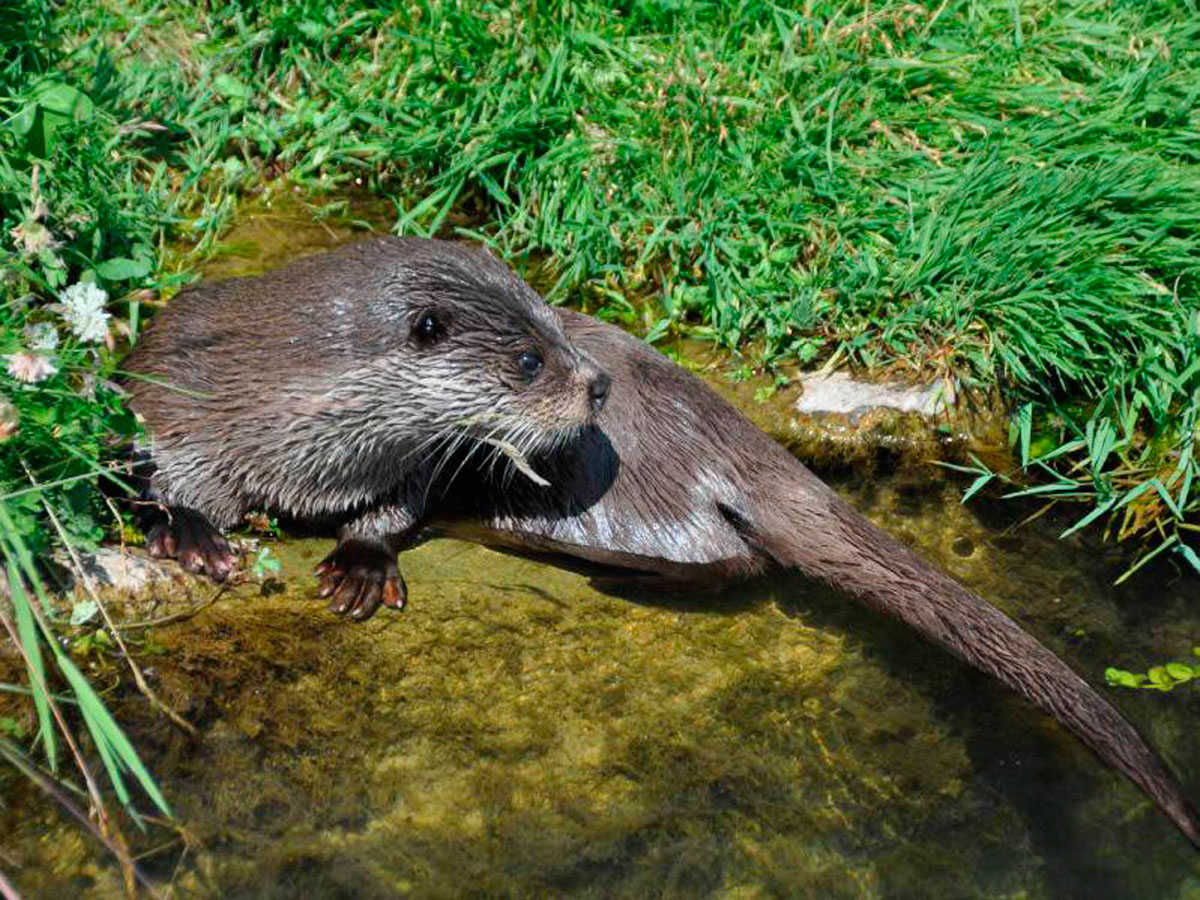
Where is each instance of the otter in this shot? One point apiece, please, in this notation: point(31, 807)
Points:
point(324, 388)
point(649, 474)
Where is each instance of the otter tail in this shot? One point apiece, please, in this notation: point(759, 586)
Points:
point(828, 540)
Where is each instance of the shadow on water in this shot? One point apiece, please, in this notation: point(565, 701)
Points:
point(518, 732)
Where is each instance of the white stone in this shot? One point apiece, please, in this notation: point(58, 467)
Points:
point(837, 392)
point(127, 572)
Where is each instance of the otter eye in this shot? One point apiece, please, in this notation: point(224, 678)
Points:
point(428, 328)
point(530, 363)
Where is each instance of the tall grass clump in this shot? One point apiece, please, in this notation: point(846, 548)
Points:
point(79, 226)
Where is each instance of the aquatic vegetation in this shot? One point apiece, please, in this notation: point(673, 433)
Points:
point(1166, 677)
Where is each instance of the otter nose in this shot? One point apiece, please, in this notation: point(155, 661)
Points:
point(598, 391)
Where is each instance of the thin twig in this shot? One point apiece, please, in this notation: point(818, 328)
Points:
point(116, 514)
point(21, 689)
point(138, 678)
point(92, 789)
point(189, 842)
point(161, 848)
point(107, 825)
point(1031, 517)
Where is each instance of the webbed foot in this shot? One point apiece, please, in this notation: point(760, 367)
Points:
point(187, 536)
point(359, 576)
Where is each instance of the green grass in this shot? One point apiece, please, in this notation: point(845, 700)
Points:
point(1003, 193)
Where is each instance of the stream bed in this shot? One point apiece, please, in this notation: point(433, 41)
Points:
point(517, 732)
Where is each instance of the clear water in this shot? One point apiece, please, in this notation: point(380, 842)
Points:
point(516, 732)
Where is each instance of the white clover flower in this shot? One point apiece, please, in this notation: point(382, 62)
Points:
point(42, 336)
point(29, 367)
point(83, 309)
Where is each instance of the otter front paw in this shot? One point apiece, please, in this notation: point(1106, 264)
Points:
point(359, 576)
point(187, 536)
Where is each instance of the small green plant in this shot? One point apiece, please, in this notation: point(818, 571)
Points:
point(266, 564)
point(1160, 678)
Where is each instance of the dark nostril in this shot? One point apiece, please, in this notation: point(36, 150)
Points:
point(598, 391)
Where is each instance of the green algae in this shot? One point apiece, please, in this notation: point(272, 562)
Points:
point(515, 731)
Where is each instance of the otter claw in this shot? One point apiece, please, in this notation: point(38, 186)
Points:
point(189, 538)
point(395, 593)
point(161, 542)
point(357, 578)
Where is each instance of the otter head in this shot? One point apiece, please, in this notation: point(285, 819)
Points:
point(484, 357)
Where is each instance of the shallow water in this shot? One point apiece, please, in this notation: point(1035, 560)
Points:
point(517, 732)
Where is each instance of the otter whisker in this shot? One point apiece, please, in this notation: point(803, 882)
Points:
point(511, 444)
point(457, 438)
point(428, 443)
point(475, 446)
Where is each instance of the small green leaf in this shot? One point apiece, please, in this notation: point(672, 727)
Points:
point(312, 30)
point(1180, 672)
point(230, 87)
point(266, 563)
point(56, 97)
point(1025, 430)
point(976, 486)
point(22, 122)
point(83, 611)
point(1190, 555)
point(120, 268)
point(1121, 678)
